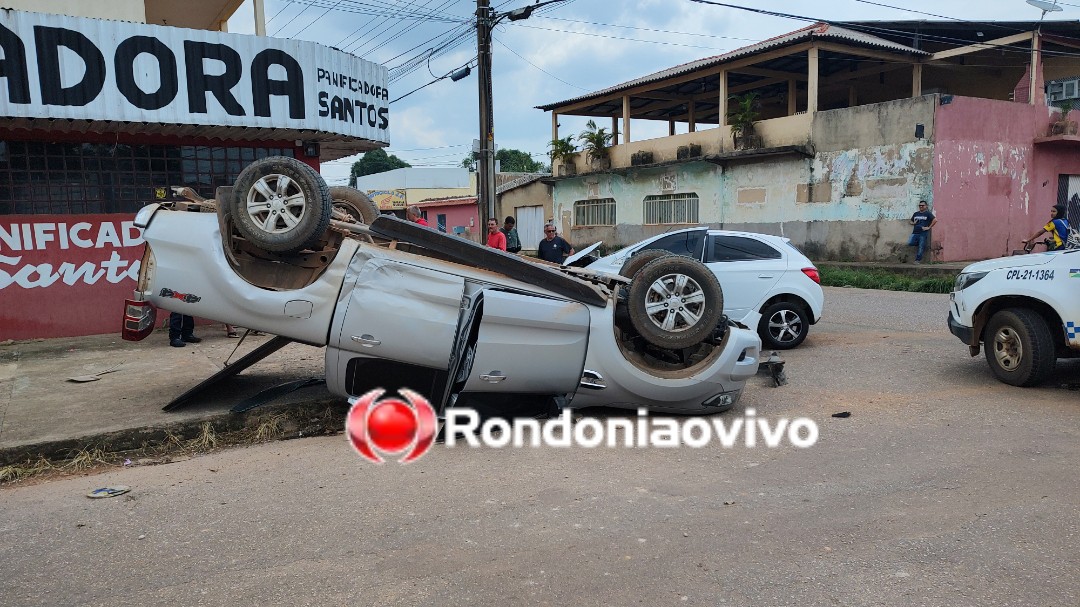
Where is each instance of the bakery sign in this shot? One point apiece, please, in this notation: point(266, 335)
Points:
point(54, 66)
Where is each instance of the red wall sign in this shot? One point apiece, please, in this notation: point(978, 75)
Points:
point(66, 275)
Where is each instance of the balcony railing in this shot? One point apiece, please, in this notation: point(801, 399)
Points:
point(774, 132)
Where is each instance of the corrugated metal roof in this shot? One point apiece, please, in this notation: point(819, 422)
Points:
point(446, 201)
point(817, 30)
point(520, 181)
point(333, 145)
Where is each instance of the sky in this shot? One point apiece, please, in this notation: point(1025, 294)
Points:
point(565, 50)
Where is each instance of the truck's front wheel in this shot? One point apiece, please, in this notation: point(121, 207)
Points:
point(1019, 347)
point(281, 205)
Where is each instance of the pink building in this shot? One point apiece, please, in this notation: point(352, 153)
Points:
point(454, 215)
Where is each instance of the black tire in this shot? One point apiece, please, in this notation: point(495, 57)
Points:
point(675, 302)
point(355, 203)
point(1019, 347)
point(783, 325)
point(281, 205)
point(638, 261)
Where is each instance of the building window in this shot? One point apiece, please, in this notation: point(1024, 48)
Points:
point(72, 178)
point(671, 208)
point(599, 212)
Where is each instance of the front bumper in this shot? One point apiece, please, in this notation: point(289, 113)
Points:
point(962, 332)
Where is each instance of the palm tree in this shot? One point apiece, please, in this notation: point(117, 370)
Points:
point(742, 120)
point(596, 141)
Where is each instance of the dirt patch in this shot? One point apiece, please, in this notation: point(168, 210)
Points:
point(151, 446)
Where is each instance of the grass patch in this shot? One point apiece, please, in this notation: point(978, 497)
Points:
point(883, 280)
point(206, 438)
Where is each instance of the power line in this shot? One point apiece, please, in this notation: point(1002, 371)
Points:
point(537, 66)
point(423, 86)
point(960, 42)
point(551, 29)
point(315, 19)
point(381, 9)
point(410, 27)
point(650, 29)
point(388, 25)
point(284, 5)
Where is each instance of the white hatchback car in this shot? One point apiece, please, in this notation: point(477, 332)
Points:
point(758, 272)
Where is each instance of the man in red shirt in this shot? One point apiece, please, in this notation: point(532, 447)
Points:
point(495, 239)
point(413, 214)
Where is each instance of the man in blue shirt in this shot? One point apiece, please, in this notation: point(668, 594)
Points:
point(922, 220)
point(553, 248)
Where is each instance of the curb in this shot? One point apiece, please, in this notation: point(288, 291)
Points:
point(134, 439)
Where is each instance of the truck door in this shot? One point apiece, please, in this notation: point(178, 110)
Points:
point(526, 345)
point(402, 312)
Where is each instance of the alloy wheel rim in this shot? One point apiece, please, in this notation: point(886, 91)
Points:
point(785, 322)
point(276, 204)
point(675, 303)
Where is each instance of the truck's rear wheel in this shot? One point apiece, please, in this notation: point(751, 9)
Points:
point(355, 203)
point(281, 205)
point(675, 302)
point(638, 261)
point(1019, 347)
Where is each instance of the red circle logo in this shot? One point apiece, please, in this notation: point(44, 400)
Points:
point(391, 425)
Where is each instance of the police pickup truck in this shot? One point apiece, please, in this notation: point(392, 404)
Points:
point(1025, 310)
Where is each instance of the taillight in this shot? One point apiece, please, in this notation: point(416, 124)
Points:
point(812, 273)
point(139, 317)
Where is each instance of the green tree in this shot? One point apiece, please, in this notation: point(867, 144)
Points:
point(511, 161)
point(516, 161)
point(375, 161)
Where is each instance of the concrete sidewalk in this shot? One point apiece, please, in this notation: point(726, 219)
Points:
point(42, 413)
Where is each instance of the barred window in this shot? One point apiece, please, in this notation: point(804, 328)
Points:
point(671, 208)
point(599, 212)
point(40, 178)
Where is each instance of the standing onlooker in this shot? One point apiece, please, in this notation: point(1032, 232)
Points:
point(495, 239)
point(181, 330)
point(513, 243)
point(553, 248)
point(1058, 228)
point(413, 214)
point(922, 220)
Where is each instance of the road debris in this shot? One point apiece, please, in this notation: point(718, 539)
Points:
point(113, 491)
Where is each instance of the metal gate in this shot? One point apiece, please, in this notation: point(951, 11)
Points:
point(530, 226)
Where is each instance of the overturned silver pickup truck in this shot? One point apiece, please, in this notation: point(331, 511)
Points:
point(399, 305)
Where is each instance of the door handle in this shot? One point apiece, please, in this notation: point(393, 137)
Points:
point(592, 380)
point(764, 275)
point(366, 340)
point(494, 377)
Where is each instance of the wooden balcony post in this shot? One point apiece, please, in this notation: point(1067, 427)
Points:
point(723, 99)
point(626, 119)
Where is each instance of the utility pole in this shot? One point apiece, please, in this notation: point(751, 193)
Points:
point(486, 20)
point(485, 164)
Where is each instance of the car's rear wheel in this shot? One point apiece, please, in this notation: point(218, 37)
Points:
point(1019, 347)
point(355, 203)
point(281, 205)
point(783, 325)
point(675, 302)
point(638, 261)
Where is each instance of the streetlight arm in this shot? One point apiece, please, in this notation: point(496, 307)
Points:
point(526, 11)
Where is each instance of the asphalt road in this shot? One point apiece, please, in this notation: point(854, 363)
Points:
point(943, 487)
